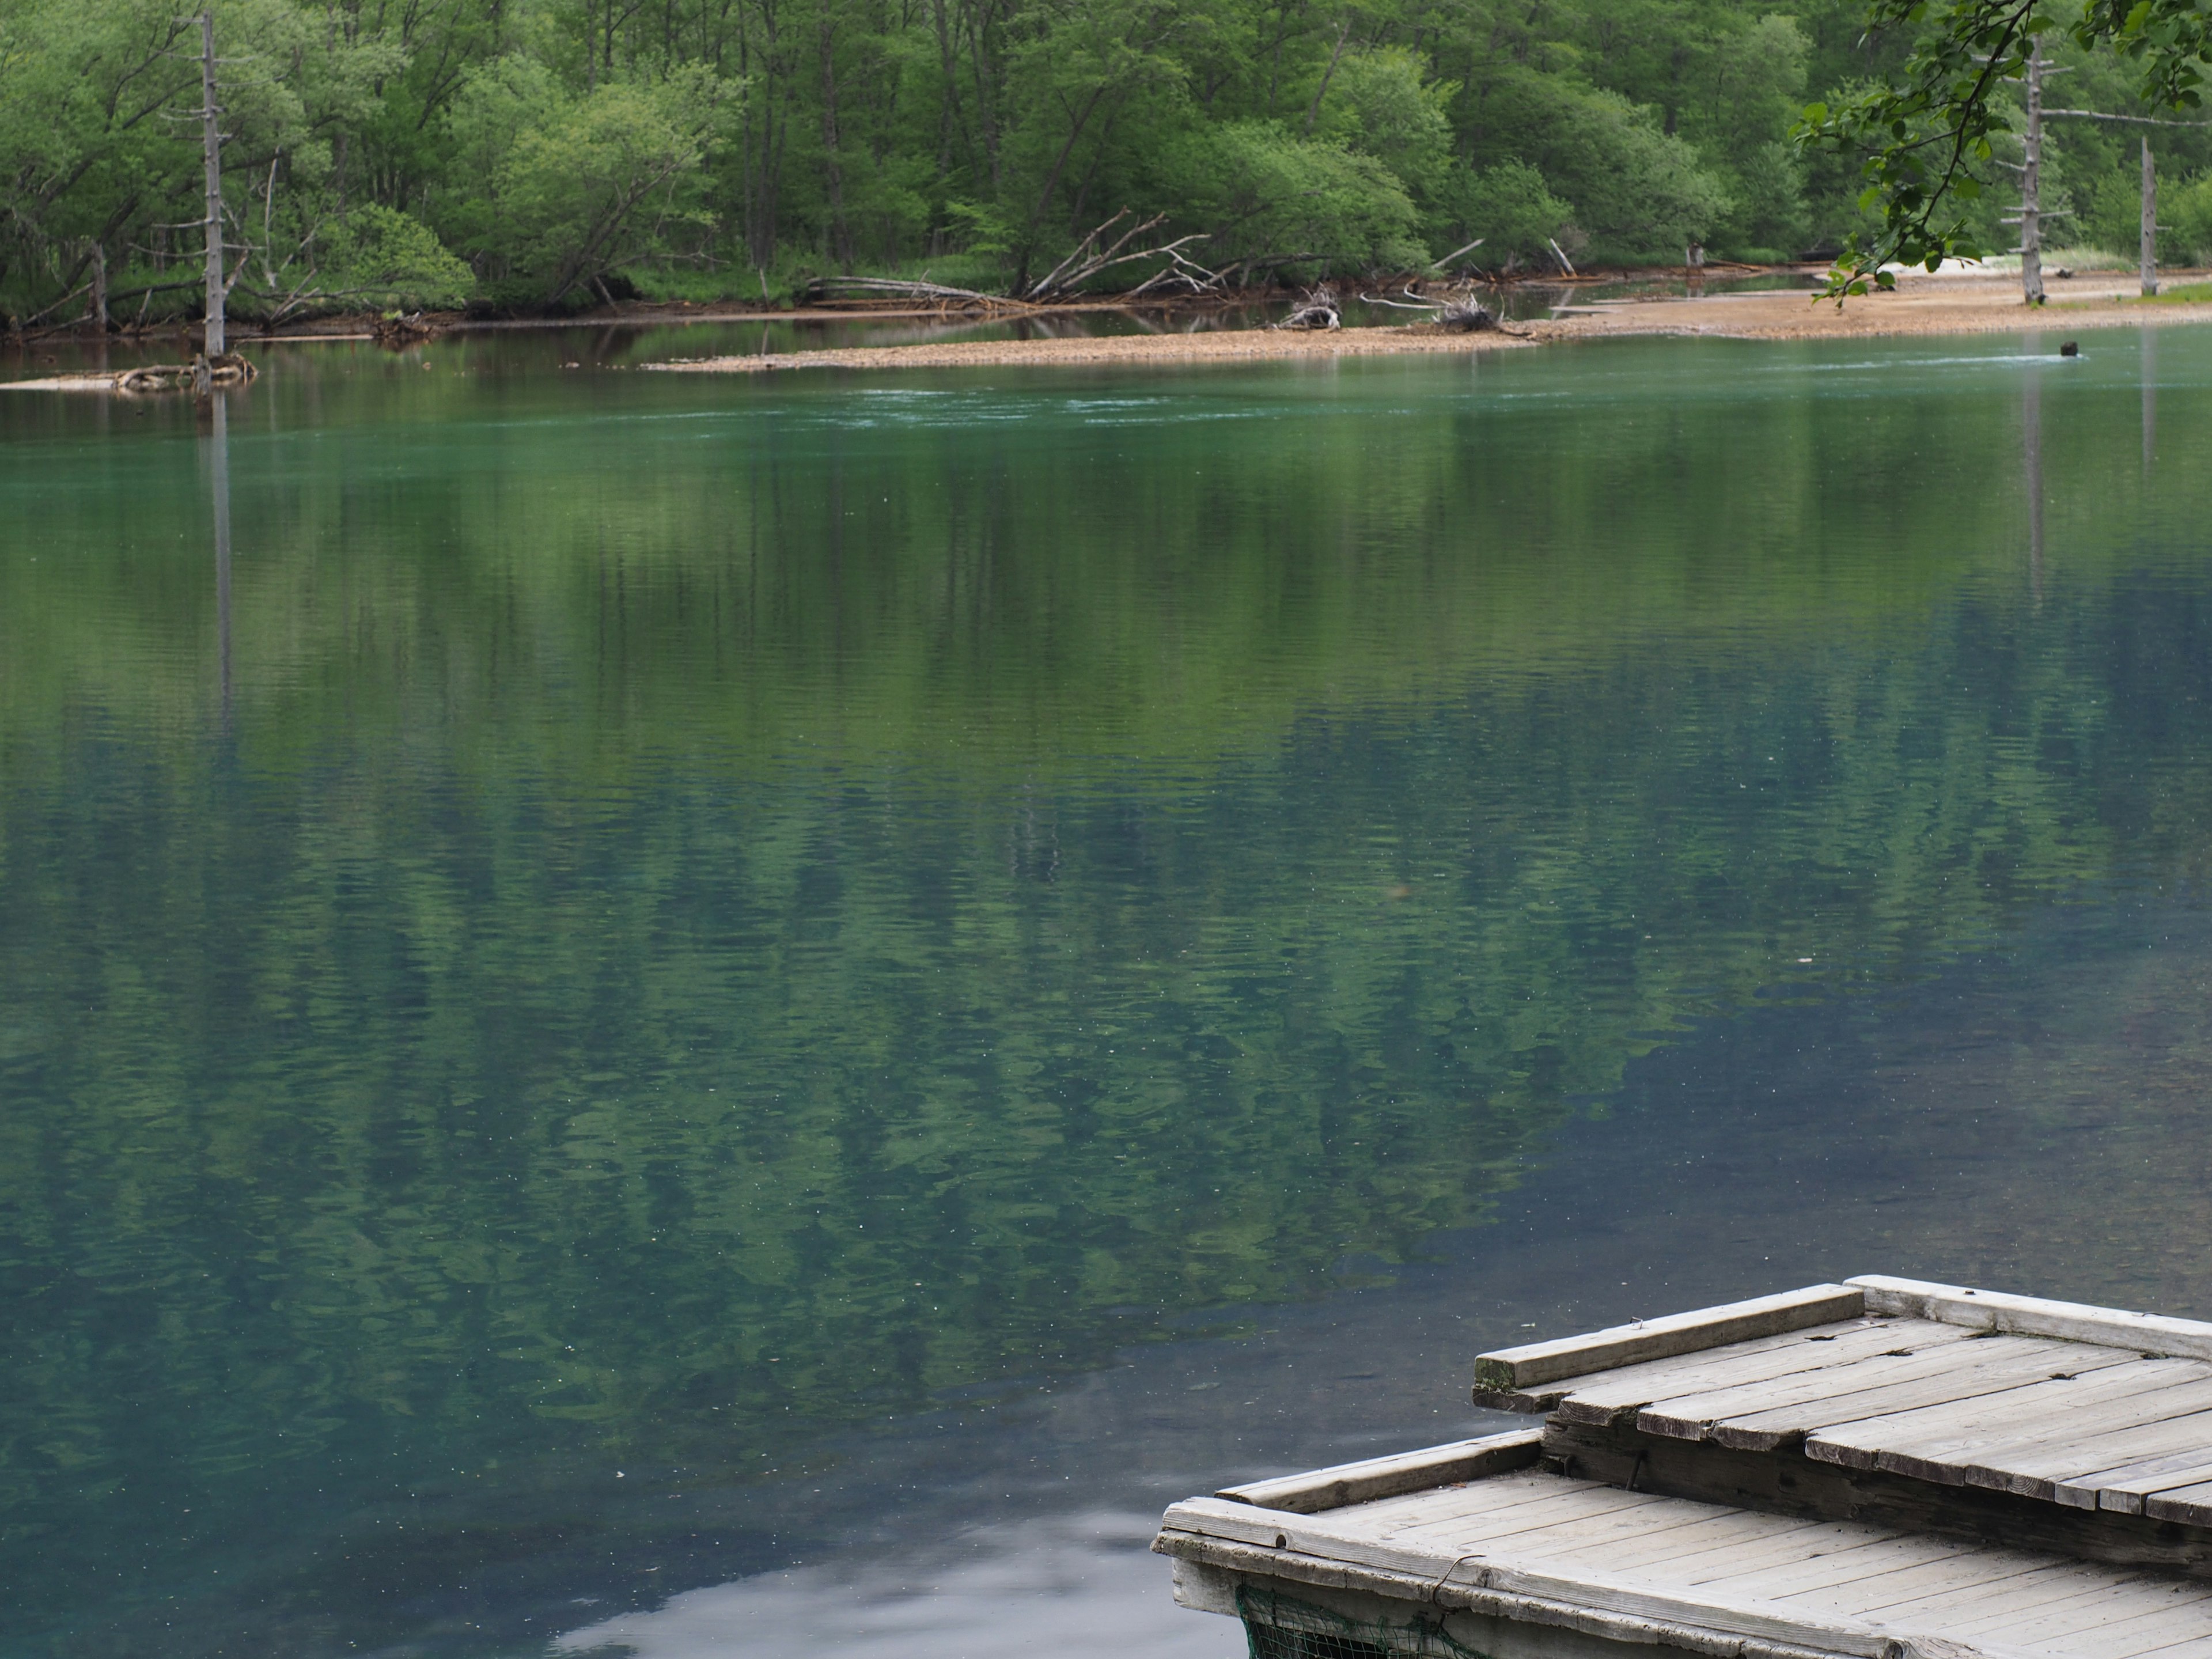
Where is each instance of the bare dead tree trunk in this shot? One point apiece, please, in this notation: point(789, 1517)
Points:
point(99, 287)
point(212, 146)
point(2149, 180)
point(2149, 221)
point(2031, 184)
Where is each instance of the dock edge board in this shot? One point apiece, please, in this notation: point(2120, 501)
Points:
point(1537, 1362)
point(1345, 1483)
point(2158, 1334)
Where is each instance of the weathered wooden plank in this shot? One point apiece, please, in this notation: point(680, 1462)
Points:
point(1720, 1531)
point(2089, 1609)
point(1947, 1614)
point(2095, 1624)
point(1523, 1518)
point(2030, 1315)
point(1782, 1539)
point(1765, 1431)
point(2122, 1490)
point(1545, 1497)
point(1781, 1347)
point(1495, 1494)
point(2145, 1632)
point(1947, 1582)
point(1387, 1477)
point(1767, 1415)
point(1781, 1547)
point(2190, 1505)
point(1922, 1442)
point(2193, 1647)
point(2171, 1420)
point(1602, 1398)
point(1687, 1417)
point(1590, 1539)
point(2035, 1471)
point(1658, 1339)
point(1773, 1579)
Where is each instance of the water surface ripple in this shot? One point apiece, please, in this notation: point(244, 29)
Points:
point(716, 1016)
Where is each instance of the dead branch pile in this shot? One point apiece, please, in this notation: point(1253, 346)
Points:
point(395, 333)
point(1317, 308)
point(200, 376)
point(920, 289)
point(1462, 314)
point(1090, 258)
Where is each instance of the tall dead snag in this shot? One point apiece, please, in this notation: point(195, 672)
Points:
point(2030, 168)
point(211, 159)
point(2149, 227)
point(2149, 221)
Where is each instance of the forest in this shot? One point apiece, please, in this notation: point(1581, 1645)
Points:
point(542, 156)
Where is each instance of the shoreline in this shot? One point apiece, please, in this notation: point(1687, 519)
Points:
point(1964, 303)
point(1921, 305)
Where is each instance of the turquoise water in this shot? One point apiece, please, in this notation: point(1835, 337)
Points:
point(734, 1015)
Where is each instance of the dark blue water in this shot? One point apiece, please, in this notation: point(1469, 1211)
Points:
point(739, 1017)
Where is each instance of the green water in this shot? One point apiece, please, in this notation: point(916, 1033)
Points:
point(690, 931)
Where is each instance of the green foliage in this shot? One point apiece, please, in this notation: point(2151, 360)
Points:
point(563, 189)
point(1313, 203)
point(1643, 190)
point(2184, 218)
point(380, 256)
point(1509, 206)
point(1382, 103)
point(735, 147)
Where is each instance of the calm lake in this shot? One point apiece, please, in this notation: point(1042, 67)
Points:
point(753, 1015)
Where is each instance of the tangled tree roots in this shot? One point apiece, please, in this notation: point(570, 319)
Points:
point(200, 376)
point(1466, 317)
point(1464, 314)
point(397, 333)
point(1317, 308)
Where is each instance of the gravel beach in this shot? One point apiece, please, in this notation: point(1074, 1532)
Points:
point(1986, 303)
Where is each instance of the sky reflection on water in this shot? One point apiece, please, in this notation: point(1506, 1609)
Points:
point(658, 1007)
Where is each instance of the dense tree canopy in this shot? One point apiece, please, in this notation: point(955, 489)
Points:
point(527, 154)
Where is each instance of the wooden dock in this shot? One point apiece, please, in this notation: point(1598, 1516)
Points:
point(1882, 1469)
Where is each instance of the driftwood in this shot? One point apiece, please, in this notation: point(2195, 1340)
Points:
point(1461, 315)
point(1180, 275)
point(1317, 308)
point(1088, 259)
point(921, 288)
point(200, 376)
point(398, 333)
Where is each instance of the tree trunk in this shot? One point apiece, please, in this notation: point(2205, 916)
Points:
point(2031, 181)
point(2149, 221)
point(211, 144)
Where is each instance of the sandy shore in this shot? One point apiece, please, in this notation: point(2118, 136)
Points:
point(1969, 304)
